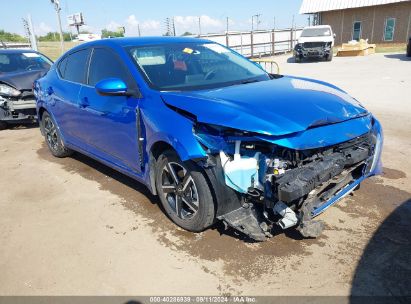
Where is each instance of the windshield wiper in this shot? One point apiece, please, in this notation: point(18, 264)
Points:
point(248, 81)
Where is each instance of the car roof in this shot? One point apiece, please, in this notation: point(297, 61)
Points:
point(141, 41)
point(16, 51)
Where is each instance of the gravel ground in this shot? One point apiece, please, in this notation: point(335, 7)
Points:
point(75, 227)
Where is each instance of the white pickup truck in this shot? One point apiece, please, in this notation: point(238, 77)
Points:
point(315, 41)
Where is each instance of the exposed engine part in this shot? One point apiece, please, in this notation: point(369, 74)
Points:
point(241, 173)
point(289, 218)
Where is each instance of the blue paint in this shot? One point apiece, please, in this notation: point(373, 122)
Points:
point(297, 113)
point(111, 86)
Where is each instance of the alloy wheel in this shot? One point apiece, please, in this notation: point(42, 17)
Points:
point(180, 190)
point(51, 133)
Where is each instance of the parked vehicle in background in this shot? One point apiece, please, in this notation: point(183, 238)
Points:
point(87, 37)
point(210, 132)
point(409, 48)
point(18, 70)
point(315, 42)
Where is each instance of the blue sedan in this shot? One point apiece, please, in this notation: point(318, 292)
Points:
point(210, 132)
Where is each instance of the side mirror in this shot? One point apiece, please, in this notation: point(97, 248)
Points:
point(112, 87)
point(335, 35)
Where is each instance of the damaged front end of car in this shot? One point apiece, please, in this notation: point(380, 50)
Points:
point(263, 181)
point(16, 106)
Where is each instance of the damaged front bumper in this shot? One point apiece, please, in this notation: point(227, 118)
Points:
point(282, 191)
point(16, 110)
point(312, 50)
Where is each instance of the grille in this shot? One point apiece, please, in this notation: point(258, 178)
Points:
point(313, 44)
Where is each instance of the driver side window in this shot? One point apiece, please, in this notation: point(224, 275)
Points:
point(105, 64)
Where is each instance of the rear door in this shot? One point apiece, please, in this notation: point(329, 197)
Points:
point(65, 93)
point(109, 122)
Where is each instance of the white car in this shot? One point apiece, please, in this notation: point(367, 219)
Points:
point(315, 41)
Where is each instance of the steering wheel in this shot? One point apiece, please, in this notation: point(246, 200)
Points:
point(210, 74)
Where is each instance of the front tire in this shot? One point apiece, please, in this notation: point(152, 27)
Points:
point(3, 125)
point(53, 137)
point(329, 57)
point(409, 50)
point(184, 193)
point(297, 58)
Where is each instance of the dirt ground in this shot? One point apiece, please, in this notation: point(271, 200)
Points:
point(75, 227)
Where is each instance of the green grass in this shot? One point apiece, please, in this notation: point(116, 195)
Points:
point(52, 48)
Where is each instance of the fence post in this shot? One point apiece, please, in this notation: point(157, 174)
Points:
point(273, 42)
point(241, 43)
point(252, 43)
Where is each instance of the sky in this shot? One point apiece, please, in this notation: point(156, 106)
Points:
point(151, 15)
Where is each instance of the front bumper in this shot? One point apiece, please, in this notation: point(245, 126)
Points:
point(254, 216)
point(18, 111)
point(305, 52)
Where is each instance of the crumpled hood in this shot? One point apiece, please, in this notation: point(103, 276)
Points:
point(22, 80)
point(274, 107)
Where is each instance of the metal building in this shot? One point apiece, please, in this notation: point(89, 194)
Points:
point(379, 21)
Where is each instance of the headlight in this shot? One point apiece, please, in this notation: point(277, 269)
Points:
point(8, 90)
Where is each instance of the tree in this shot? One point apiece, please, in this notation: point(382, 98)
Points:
point(187, 34)
point(55, 36)
point(11, 37)
point(110, 34)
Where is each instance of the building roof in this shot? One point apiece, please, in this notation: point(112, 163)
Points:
point(317, 6)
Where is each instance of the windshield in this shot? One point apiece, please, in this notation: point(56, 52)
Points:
point(316, 32)
point(20, 62)
point(193, 66)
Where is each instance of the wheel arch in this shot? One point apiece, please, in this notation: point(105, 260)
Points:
point(156, 150)
point(40, 113)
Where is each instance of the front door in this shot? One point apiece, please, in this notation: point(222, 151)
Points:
point(109, 122)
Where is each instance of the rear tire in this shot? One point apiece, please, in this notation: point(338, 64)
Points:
point(184, 192)
point(53, 137)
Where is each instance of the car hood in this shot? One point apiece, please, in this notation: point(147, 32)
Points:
point(274, 107)
point(316, 39)
point(22, 80)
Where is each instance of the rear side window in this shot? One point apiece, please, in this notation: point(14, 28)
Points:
point(74, 66)
point(105, 64)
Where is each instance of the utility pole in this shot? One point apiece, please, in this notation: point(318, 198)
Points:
point(139, 32)
point(199, 26)
point(174, 28)
point(226, 32)
point(33, 41)
point(257, 17)
point(58, 9)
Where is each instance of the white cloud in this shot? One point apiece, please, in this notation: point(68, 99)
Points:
point(147, 27)
point(190, 24)
point(157, 27)
point(113, 26)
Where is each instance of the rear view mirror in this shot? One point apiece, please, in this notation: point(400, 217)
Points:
point(112, 87)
